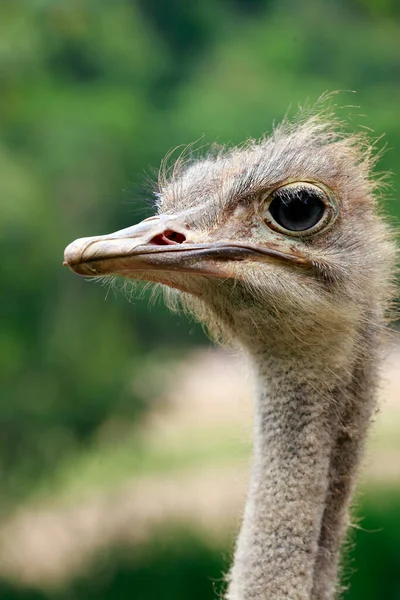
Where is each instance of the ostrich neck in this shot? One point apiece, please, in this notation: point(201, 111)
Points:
point(308, 432)
point(356, 407)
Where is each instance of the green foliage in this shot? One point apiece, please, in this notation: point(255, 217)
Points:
point(373, 568)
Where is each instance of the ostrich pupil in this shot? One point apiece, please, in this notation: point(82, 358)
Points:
point(297, 209)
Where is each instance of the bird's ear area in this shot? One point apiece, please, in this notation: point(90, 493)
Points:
point(165, 244)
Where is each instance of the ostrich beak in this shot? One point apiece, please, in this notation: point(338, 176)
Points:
point(162, 244)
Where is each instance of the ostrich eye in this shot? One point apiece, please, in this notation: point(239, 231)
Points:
point(298, 208)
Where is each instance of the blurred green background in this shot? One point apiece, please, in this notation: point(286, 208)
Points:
point(92, 96)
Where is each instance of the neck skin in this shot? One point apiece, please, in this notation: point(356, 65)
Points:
point(308, 435)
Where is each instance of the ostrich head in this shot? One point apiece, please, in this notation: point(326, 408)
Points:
point(278, 246)
point(275, 242)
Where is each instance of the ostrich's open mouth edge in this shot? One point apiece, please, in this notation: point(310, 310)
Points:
point(110, 257)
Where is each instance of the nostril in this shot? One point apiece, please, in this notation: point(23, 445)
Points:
point(175, 236)
point(167, 238)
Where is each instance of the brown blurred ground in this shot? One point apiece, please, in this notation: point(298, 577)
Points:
point(206, 398)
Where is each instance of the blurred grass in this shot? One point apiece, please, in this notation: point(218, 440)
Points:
point(105, 466)
point(156, 540)
point(171, 441)
point(179, 564)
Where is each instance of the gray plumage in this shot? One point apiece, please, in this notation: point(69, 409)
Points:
point(308, 310)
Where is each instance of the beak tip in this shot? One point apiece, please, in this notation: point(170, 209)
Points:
point(73, 253)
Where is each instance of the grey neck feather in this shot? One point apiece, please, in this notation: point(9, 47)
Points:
point(307, 446)
point(356, 408)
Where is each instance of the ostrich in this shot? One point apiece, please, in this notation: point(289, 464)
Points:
point(277, 247)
